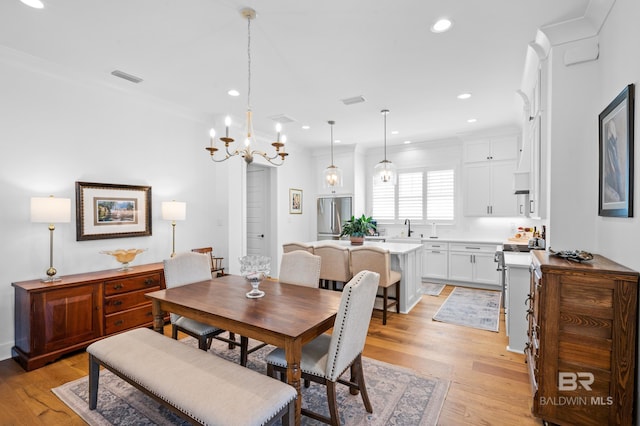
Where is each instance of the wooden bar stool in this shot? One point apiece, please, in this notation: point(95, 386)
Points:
point(378, 260)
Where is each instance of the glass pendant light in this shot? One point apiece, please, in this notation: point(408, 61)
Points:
point(385, 172)
point(332, 176)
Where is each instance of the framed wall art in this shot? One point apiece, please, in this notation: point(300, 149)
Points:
point(615, 125)
point(105, 210)
point(295, 201)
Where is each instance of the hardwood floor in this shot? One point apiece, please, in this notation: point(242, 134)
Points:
point(489, 385)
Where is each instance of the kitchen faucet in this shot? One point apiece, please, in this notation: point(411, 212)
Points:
point(409, 231)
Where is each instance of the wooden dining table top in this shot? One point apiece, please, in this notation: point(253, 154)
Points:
point(285, 310)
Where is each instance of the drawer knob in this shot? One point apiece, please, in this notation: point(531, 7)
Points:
point(118, 286)
point(118, 323)
point(117, 302)
point(149, 281)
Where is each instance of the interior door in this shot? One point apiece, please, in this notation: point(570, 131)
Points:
point(258, 197)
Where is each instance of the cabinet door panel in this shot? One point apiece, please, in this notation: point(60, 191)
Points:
point(69, 316)
point(485, 269)
point(434, 264)
point(504, 202)
point(460, 267)
point(477, 190)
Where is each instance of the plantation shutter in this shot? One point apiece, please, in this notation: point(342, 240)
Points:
point(383, 202)
point(410, 196)
point(440, 196)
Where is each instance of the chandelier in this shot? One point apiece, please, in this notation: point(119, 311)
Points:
point(385, 171)
point(247, 152)
point(332, 175)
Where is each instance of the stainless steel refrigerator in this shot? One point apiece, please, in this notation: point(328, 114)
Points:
point(332, 213)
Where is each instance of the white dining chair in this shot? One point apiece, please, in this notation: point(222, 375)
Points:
point(327, 357)
point(301, 268)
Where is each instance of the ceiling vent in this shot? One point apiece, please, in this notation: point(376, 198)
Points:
point(129, 77)
point(354, 100)
point(282, 119)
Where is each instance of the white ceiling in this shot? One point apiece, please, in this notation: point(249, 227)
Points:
point(306, 57)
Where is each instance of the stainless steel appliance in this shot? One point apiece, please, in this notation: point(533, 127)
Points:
point(332, 213)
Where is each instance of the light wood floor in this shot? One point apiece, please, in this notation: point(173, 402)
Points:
point(489, 385)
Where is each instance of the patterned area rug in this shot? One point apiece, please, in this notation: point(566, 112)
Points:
point(399, 396)
point(431, 289)
point(471, 307)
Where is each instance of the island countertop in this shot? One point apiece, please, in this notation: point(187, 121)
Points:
point(394, 248)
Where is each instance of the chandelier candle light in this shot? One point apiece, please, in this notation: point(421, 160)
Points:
point(247, 152)
point(50, 210)
point(332, 175)
point(385, 171)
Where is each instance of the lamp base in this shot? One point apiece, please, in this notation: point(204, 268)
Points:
point(51, 280)
point(51, 273)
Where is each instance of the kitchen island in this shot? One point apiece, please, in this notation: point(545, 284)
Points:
point(406, 259)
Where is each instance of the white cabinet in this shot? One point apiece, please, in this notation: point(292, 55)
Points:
point(488, 189)
point(473, 263)
point(435, 260)
point(489, 165)
point(517, 288)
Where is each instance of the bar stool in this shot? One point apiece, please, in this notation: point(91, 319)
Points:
point(288, 247)
point(378, 260)
point(335, 267)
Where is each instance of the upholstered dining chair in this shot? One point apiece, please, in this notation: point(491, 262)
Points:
point(289, 247)
point(327, 357)
point(187, 268)
point(216, 262)
point(301, 268)
point(335, 266)
point(378, 260)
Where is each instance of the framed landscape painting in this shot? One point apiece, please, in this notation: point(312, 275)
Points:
point(105, 210)
point(615, 125)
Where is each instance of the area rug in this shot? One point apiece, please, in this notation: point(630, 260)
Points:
point(399, 396)
point(431, 289)
point(471, 307)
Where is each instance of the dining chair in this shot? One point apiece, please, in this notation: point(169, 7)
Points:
point(301, 268)
point(378, 260)
point(216, 262)
point(186, 268)
point(293, 246)
point(327, 357)
point(335, 266)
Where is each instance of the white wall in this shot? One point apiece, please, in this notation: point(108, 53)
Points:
point(59, 128)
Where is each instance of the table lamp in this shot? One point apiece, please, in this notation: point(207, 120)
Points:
point(50, 210)
point(174, 210)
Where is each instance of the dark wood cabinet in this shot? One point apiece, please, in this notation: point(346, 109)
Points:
point(52, 319)
point(581, 348)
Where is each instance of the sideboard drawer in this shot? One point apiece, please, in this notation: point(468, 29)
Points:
point(131, 318)
point(124, 301)
point(127, 284)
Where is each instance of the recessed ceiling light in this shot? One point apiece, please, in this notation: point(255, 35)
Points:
point(395, 132)
point(306, 127)
point(442, 25)
point(407, 142)
point(472, 120)
point(233, 92)
point(464, 95)
point(36, 4)
point(337, 141)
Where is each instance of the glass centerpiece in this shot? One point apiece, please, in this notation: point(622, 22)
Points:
point(254, 269)
point(124, 256)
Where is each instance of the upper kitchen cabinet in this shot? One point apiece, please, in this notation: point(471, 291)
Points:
point(488, 170)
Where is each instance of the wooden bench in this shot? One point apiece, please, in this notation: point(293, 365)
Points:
point(197, 385)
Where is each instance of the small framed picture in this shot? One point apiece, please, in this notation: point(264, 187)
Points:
point(615, 126)
point(295, 201)
point(105, 210)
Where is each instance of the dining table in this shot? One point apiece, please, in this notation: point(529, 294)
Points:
point(287, 316)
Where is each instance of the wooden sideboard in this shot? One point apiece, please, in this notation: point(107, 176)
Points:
point(581, 348)
point(52, 319)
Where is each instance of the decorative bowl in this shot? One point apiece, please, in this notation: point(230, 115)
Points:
point(124, 256)
point(254, 269)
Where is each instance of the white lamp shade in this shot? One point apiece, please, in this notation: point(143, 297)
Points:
point(50, 210)
point(385, 173)
point(332, 177)
point(174, 210)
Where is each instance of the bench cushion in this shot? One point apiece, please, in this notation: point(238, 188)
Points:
point(206, 387)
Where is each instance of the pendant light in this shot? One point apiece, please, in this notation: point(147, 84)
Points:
point(385, 172)
point(332, 176)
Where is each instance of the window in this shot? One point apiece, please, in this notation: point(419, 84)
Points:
point(419, 195)
point(440, 194)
